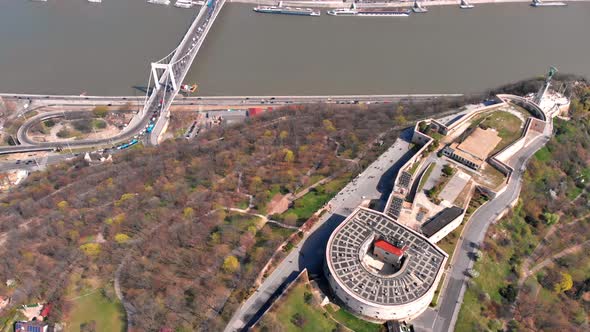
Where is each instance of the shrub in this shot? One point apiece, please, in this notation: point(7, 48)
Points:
point(83, 125)
point(64, 133)
point(298, 320)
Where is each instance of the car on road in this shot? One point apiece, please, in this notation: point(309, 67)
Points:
point(18, 162)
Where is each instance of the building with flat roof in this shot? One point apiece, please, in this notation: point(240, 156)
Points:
point(380, 269)
point(442, 224)
point(475, 149)
point(32, 326)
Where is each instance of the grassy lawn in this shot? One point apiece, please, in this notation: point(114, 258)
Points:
point(543, 155)
point(506, 124)
point(491, 279)
point(470, 314)
point(317, 197)
point(573, 192)
point(312, 317)
point(293, 304)
point(425, 176)
point(412, 169)
point(94, 306)
point(242, 222)
point(351, 321)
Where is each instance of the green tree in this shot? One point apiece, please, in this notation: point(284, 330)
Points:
point(550, 218)
point(289, 156)
point(291, 218)
point(448, 170)
point(188, 212)
point(121, 238)
point(100, 111)
point(231, 264)
point(564, 284)
point(328, 125)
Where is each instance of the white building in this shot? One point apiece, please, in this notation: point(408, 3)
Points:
point(372, 285)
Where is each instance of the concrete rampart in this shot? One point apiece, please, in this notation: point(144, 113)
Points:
point(505, 154)
point(451, 226)
point(456, 125)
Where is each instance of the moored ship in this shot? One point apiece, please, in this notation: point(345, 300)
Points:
point(354, 11)
point(184, 4)
point(286, 10)
point(159, 2)
point(539, 3)
point(465, 5)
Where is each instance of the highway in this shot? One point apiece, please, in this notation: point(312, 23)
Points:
point(66, 100)
point(180, 63)
point(142, 119)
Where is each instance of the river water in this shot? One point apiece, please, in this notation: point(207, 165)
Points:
point(70, 46)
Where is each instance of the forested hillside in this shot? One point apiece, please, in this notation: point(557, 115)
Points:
point(156, 221)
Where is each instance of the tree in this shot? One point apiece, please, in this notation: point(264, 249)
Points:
point(399, 118)
point(298, 320)
point(564, 284)
point(231, 264)
point(289, 156)
point(100, 111)
point(509, 293)
point(188, 212)
point(91, 249)
point(328, 125)
point(291, 218)
point(121, 238)
point(550, 218)
point(448, 170)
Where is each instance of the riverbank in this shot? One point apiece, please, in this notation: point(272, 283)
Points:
point(340, 4)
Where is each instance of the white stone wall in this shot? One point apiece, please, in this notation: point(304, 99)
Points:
point(380, 312)
point(447, 229)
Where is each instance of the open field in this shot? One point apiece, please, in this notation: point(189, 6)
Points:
point(507, 125)
point(298, 310)
point(293, 313)
point(317, 197)
point(95, 309)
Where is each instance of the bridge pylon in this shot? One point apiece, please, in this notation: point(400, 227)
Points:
point(167, 69)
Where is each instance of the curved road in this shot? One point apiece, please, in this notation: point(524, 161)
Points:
point(474, 233)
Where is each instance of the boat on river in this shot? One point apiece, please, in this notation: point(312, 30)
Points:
point(280, 9)
point(354, 11)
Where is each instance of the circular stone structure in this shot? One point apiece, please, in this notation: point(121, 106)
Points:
point(394, 292)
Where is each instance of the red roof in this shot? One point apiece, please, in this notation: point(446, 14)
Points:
point(46, 310)
point(253, 111)
point(389, 247)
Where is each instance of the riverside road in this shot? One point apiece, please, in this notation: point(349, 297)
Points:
point(142, 118)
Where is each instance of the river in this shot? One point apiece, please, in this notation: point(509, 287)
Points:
point(70, 46)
